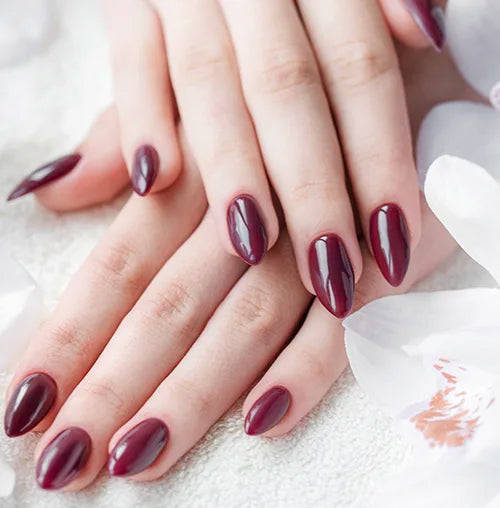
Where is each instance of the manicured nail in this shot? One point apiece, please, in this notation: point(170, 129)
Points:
point(64, 457)
point(332, 275)
point(145, 169)
point(138, 448)
point(429, 19)
point(390, 242)
point(46, 174)
point(267, 411)
point(29, 404)
point(246, 229)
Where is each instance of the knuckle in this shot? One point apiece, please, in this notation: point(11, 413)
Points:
point(67, 341)
point(105, 393)
point(257, 313)
point(358, 63)
point(118, 265)
point(201, 63)
point(283, 72)
point(313, 190)
point(392, 162)
point(315, 366)
point(174, 306)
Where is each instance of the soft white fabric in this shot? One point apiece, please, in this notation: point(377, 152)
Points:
point(335, 458)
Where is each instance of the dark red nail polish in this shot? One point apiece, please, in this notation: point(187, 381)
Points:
point(332, 275)
point(145, 169)
point(65, 456)
point(390, 242)
point(45, 174)
point(429, 19)
point(138, 448)
point(246, 229)
point(29, 404)
point(267, 411)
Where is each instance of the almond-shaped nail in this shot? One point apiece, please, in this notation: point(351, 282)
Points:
point(138, 448)
point(332, 275)
point(429, 18)
point(30, 402)
point(145, 169)
point(267, 411)
point(246, 229)
point(390, 242)
point(45, 175)
point(63, 458)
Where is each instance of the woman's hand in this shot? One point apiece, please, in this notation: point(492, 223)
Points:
point(161, 331)
point(172, 337)
point(255, 84)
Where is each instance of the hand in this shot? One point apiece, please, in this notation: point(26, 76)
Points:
point(254, 83)
point(114, 326)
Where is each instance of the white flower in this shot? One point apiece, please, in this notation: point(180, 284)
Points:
point(432, 360)
point(20, 315)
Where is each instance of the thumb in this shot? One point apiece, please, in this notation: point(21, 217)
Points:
point(416, 23)
point(94, 174)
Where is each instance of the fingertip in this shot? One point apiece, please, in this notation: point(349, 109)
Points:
point(416, 23)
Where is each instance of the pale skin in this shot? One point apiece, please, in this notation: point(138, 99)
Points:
point(165, 273)
point(274, 71)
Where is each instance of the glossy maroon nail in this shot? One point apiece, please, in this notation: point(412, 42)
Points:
point(267, 411)
point(29, 404)
point(45, 174)
point(63, 458)
point(332, 275)
point(246, 229)
point(145, 169)
point(429, 18)
point(138, 448)
point(390, 242)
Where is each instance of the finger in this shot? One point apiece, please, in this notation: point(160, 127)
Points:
point(149, 343)
point(316, 357)
point(143, 237)
point(416, 23)
point(95, 173)
point(218, 126)
point(291, 114)
point(360, 68)
point(143, 94)
point(246, 331)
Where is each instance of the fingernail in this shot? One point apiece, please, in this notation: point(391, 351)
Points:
point(390, 242)
point(63, 459)
point(246, 229)
point(29, 404)
point(332, 275)
point(45, 174)
point(145, 169)
point(267, 411)
point(138, 448)
point(429, 19)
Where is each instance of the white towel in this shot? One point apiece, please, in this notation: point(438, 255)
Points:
point(336, 457)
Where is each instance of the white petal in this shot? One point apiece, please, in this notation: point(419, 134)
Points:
point(20, 310)
point(464, 129)
point(446, 485)
point(473, 32)
point(466, 199)
point(7, 479)
point(382, 340)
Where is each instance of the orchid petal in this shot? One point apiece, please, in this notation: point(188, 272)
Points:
point(7, 479)
point(473, 32)
point(464, 129)
point(386, 340)
point(466, 199)
point(20, 310)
